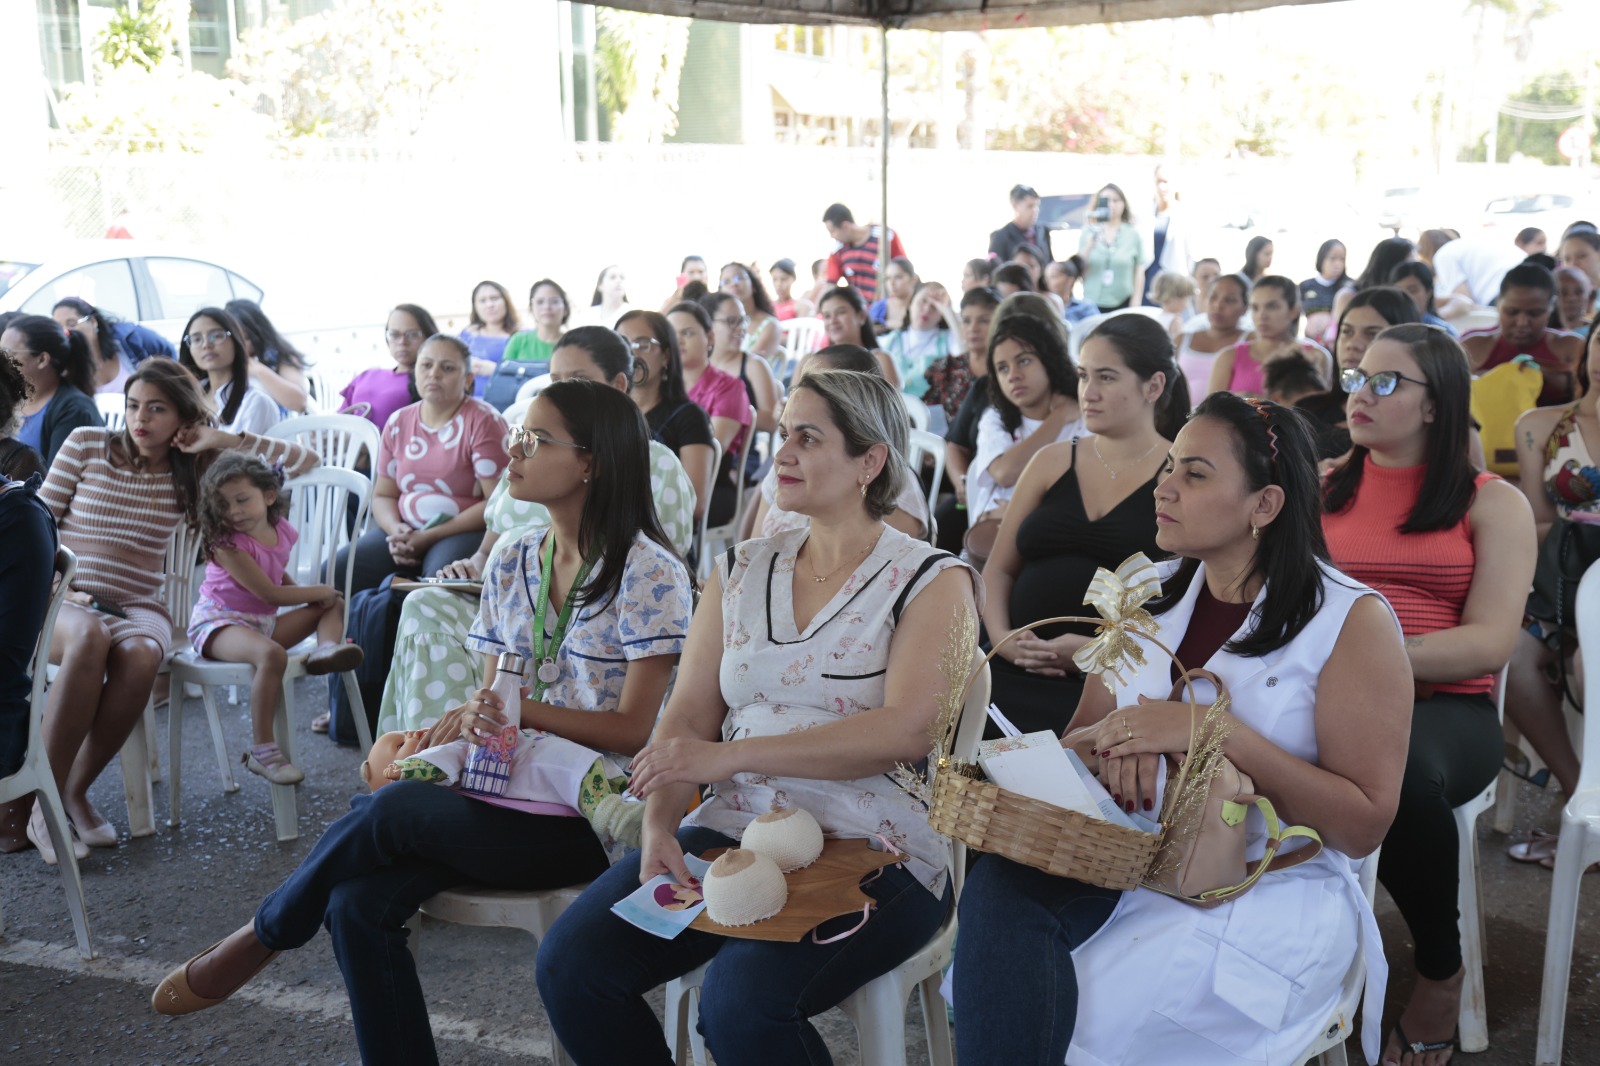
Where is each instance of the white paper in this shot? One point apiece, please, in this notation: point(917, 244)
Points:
point(1043, 773)
point(1004, 723)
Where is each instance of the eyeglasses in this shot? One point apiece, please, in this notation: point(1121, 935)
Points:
point(644, 344)
point(741, 322)
point(201, 340)
point(525, 442)
point(412, 335)
point(1384, 382)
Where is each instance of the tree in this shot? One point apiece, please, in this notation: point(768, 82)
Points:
point(363, 68)
point(638, 60)
point(137, 35)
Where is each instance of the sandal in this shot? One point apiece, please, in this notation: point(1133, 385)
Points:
point(1539, 847)
point(319, 724)
point(268, 761)
point(1418, 1047)
point(1517, 765)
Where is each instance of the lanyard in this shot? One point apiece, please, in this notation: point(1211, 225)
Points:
point(548, 672)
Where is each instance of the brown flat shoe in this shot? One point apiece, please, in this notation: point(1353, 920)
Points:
point(174, 996)
point(333, 659)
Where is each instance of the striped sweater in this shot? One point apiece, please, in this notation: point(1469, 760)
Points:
point(118, 521)
point(1424, 576)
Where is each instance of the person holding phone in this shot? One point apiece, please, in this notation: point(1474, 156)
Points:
point(1112, 251)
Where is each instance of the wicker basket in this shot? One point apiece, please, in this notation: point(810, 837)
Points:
point(988, 818)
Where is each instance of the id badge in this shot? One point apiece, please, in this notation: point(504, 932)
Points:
point(1109, 277)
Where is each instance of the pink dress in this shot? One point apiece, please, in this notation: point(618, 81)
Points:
point(438, 470)
point(223, 602)
point(1247, 378)
point(721, 395)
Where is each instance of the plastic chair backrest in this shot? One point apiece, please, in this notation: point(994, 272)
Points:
point(113, 408)
point(932, 445)
point(178, 589)
point(66, 565)
point(319, 512)
point(532, 387)
point(319, 392)
point(743, 492)
point(916, 410)
point(337, 439)
point(800, 336)
point(1588, 611)
point(705, 504)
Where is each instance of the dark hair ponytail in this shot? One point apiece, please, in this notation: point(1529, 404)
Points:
point(605, 348)
point(620, 504)
point(1275, 446)
point(104, 334)
point(67, 349)
point(1146, 349)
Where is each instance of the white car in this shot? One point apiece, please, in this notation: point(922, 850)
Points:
point(157, 286)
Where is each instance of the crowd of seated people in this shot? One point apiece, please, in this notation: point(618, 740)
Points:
point(1306, 458)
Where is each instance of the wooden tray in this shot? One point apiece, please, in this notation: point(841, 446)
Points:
point(827, 888)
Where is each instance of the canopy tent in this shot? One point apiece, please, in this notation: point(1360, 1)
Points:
point(939, 15)
point(946, 14)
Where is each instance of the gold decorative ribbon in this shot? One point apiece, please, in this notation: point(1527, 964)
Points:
point(1119, 598)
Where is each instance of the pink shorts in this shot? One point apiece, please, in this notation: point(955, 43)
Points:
point(209, 616)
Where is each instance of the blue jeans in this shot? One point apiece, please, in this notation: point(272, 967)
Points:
point(1016, 991)
point(375, 866)
point(594, 969)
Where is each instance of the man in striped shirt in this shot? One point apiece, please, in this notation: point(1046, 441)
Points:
point(856, 259)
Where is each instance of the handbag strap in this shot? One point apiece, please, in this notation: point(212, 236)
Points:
point(1271, 861)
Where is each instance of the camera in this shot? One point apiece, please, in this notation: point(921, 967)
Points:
point(1100, 214)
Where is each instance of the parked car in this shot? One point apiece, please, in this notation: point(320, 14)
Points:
point(157, 286)
point(1549, 211)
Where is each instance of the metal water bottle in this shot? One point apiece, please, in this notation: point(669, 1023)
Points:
point(489, 764)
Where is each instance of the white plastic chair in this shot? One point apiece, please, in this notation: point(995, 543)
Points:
point(878, 1008)
point(499, 908)
point(1579, 844)
point(923, 443)
point(320, 394)
point(917, 411)
point(319, 511)
point(1328, 1048)
point(727, 534)
point(1081, 330)
point(338, 440)
point(113, 408)
point(1474, 1017)
point(35, 775)
point(802, 336)
point(532, 387)
point(1477, 318)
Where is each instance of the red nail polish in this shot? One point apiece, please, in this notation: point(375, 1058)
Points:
point(1094, 751)
point(1128, 806)
point(1116, 797)
point(1148, 804)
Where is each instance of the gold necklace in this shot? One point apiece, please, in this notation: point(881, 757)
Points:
point(835, 571)
point(1094, 442)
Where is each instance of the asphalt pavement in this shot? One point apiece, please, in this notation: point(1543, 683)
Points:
point(155, 901)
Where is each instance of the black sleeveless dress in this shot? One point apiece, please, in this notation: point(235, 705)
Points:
point(1061, 549)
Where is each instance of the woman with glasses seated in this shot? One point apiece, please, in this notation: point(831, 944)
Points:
point(378, 393)
point(1452, 548)
point(729, 324)
point(431, 654)
point(438, 461)
point(657, 387)
point(580, 453)
point(212, 349)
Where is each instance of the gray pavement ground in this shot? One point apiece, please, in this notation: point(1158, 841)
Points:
point(156, 901)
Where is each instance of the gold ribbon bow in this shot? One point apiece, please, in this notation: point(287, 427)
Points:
point(1120, 600)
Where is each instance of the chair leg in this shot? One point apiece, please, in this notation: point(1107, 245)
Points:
point(1572, 859)
point(1334, 1056)
point(880, 1022)
point(936, 1020)
point(135, 760)
point(359, 710)
point(175, 755)
point(150, 732)
point(55, 819)
point(284, 816)
point(208, 696)
point(1505, 803)
point(1474, 1015)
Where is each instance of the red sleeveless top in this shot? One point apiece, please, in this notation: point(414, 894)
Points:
point(1424, 576)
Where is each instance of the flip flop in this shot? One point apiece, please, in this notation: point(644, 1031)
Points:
point(319, 724)
point(1517, 764)
point(1549, 863)
point(1537, 848)
point(1418, 1047)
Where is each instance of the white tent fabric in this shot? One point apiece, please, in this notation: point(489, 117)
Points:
point(947, 14)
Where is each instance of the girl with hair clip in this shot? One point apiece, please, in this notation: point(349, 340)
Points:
point(488, 330)
point(721, 396)
point(59, 370)
point(621, 599)
point(212, 349)
point(1051, 969)
point(549, 309)
point(845, 320)
point(276, 366)
point(609, 301)
point(118, 347)
point(762, 336)
point(857, 610)
point(1275, 310)
point(378, 393)
point(1034, 390)
point(1452, 548)
point(656, 385)
point(729, 354)
point(118, 498)
point(247, 539)
point(1080, 505)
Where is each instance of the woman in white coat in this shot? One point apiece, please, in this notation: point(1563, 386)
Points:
point(1054, 970)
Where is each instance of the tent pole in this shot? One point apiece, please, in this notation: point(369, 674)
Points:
point(883, 157)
